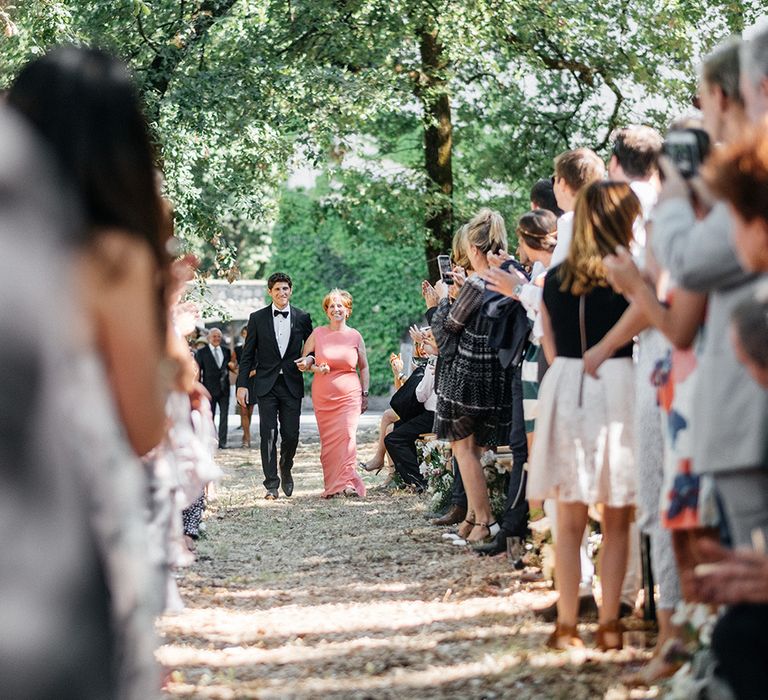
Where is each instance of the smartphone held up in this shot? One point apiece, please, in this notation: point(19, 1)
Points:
point(444, 266)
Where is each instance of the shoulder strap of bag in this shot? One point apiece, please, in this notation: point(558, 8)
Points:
point(583, 333)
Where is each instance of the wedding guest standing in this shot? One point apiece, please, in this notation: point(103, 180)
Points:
point(274, 340)
point(339, 393)
point(474, 391)
point(214, 375)
point(583, 451)
point(246, 412)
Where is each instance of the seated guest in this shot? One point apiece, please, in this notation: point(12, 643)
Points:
point(388, 419)
point(401, 442)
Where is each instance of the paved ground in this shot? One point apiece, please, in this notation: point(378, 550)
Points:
point(347, 598)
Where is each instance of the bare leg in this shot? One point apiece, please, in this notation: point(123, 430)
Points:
point(245, 423)
point(613, 564)
point(388, 419)
point(571, 521)
point(467, 455)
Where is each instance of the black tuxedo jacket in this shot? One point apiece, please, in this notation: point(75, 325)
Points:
point(213, 378)
point(261, 352)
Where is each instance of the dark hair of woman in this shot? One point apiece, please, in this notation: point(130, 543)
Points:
point(84, 104)
point(538, 228)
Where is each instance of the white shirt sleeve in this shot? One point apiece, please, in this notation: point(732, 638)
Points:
point(564, 236)
point(425, 390)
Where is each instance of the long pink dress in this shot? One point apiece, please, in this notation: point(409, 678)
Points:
point(336, 397)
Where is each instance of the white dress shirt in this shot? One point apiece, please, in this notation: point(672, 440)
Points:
point(564, 236)
point(425, 390)
point(282, 325)
point(218, 355)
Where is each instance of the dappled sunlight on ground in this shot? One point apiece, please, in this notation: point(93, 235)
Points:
point(360, 598)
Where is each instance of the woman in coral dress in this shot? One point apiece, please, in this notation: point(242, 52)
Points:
point(339, 394)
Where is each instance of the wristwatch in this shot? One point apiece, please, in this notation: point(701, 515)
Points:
point(365, 393)
point(517, 290)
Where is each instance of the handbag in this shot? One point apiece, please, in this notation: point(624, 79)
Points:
point(404, 401)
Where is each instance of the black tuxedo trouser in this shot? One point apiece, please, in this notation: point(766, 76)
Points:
point(458, 494)
point(401, 446)
point(515, 519)
point(278, 407)
point(223, 403)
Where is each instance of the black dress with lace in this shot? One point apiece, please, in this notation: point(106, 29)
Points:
point(474, 392)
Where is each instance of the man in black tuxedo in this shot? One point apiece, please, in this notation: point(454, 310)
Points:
point(214, 375)
point(274, 342)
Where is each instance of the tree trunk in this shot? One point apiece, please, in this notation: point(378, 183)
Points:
point(438, 142)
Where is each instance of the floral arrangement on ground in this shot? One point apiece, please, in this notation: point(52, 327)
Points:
point(436, 466)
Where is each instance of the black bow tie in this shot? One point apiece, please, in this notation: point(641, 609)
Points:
point(284, 314)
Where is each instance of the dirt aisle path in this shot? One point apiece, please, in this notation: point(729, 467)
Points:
point(306, 598)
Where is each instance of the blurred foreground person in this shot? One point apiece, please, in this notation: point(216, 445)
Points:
point(85, 107)
point(54, 606)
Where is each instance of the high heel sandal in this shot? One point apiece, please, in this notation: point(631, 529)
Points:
point(614, 627)
point(493, 530)
point(469, 522)
point(364, 466)
point(565, 637)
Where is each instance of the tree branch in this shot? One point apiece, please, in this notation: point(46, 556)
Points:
point(147, 40)
point(169, 58)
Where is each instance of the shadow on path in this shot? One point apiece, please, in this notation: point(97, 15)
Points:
point(347, 598)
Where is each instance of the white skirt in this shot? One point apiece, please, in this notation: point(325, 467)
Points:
point(585, 453)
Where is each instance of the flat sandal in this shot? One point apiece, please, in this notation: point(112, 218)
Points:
point(614, 627)
point(565, 637)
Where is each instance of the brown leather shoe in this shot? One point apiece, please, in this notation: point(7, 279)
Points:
point(454, 515)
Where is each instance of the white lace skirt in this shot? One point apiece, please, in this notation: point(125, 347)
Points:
point(584, 451)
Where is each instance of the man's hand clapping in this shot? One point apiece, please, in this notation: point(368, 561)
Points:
point(503, 282)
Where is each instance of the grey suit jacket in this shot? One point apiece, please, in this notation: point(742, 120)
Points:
point(730, 412)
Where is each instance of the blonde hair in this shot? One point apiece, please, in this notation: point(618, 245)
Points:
point(458, 248)
point(344, 296)
point(603, 218)
point(486, 231)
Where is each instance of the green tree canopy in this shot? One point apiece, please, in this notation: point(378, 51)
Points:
point(412, 113)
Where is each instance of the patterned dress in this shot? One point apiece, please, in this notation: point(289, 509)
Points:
point(687, 499)
point(474, 392)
